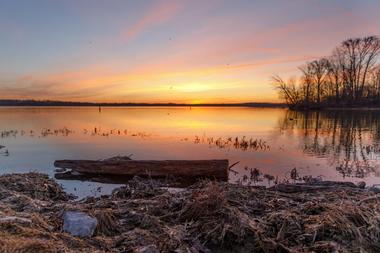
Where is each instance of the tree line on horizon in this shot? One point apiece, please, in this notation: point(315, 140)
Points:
point(349, 77)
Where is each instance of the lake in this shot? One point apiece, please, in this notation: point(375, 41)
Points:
point(335, 145)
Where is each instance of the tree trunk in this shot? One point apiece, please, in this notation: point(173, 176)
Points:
point(214, 169)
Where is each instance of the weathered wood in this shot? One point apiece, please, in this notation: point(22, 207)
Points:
point(215, 169)
point(117, 179)
point(328, 185)
point(105, 179)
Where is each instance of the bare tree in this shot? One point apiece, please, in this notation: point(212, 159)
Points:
point(320, 70)
point(288, 91)
point(375, 84)
point(350, 76)
point(336, 77)
point(360, 57)
point(307, 80)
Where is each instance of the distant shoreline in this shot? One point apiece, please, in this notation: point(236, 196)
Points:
point(25, 103)
point(38, 103)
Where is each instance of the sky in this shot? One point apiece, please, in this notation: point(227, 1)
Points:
point(179, 51)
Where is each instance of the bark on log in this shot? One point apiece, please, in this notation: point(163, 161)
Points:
point(215, 169)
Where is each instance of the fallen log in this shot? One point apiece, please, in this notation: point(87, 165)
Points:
point(214, 169)
point(329, 185)
point(178, 182)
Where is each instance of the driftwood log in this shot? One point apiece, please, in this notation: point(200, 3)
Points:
point(214, 169)
point(176, 182)
point(313, 187)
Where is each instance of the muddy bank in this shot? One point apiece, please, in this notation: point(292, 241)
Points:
point(144, 216)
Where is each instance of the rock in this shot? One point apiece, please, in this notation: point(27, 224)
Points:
point(79, 223)
point(146, 249)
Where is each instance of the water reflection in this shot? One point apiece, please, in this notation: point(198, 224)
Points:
point(268, 143)
point(349, 139)
point(240, 143)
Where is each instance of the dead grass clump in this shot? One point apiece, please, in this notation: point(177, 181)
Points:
point(207, 201)
point(18, 203)
point(26, 245)
point(139, 188)
point(373, 231)
point(107, 223)
point(10, 229)
point(213, 220)
point(130, 240)
point(34, 185)
point(348, 224)
point(285, 226)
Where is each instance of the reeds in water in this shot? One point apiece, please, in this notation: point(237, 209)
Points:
point(240, 143)
point(4, 151)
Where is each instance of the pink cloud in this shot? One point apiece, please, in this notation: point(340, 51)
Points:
point(158, 14)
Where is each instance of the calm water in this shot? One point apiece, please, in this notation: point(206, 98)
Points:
point(337, 145)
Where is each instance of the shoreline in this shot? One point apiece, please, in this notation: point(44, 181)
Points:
point(145, 216)
point(332, 108)
point(258, 106)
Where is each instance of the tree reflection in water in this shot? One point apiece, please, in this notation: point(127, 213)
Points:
point(349, 139)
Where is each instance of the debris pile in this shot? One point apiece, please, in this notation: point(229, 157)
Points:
point(208, 216)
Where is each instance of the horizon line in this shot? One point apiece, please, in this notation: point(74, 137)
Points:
point(33, 102)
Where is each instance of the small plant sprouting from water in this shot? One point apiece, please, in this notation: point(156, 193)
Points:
point(66, 132)
point(55, 132)
point(8, 133)
point(270, 178)
point(45, 132)
point(357, 169)
point(98, 131)
point(294, 175)
point(253, 176)
point(237, 143)
point(4, 151)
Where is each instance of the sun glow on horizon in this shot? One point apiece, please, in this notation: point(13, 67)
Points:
point(193, 87)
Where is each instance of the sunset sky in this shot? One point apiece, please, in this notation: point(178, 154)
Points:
point(168, 51)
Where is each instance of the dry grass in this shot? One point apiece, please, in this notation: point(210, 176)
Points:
point(107, 223)
point(206, 217)
point(14, 244)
